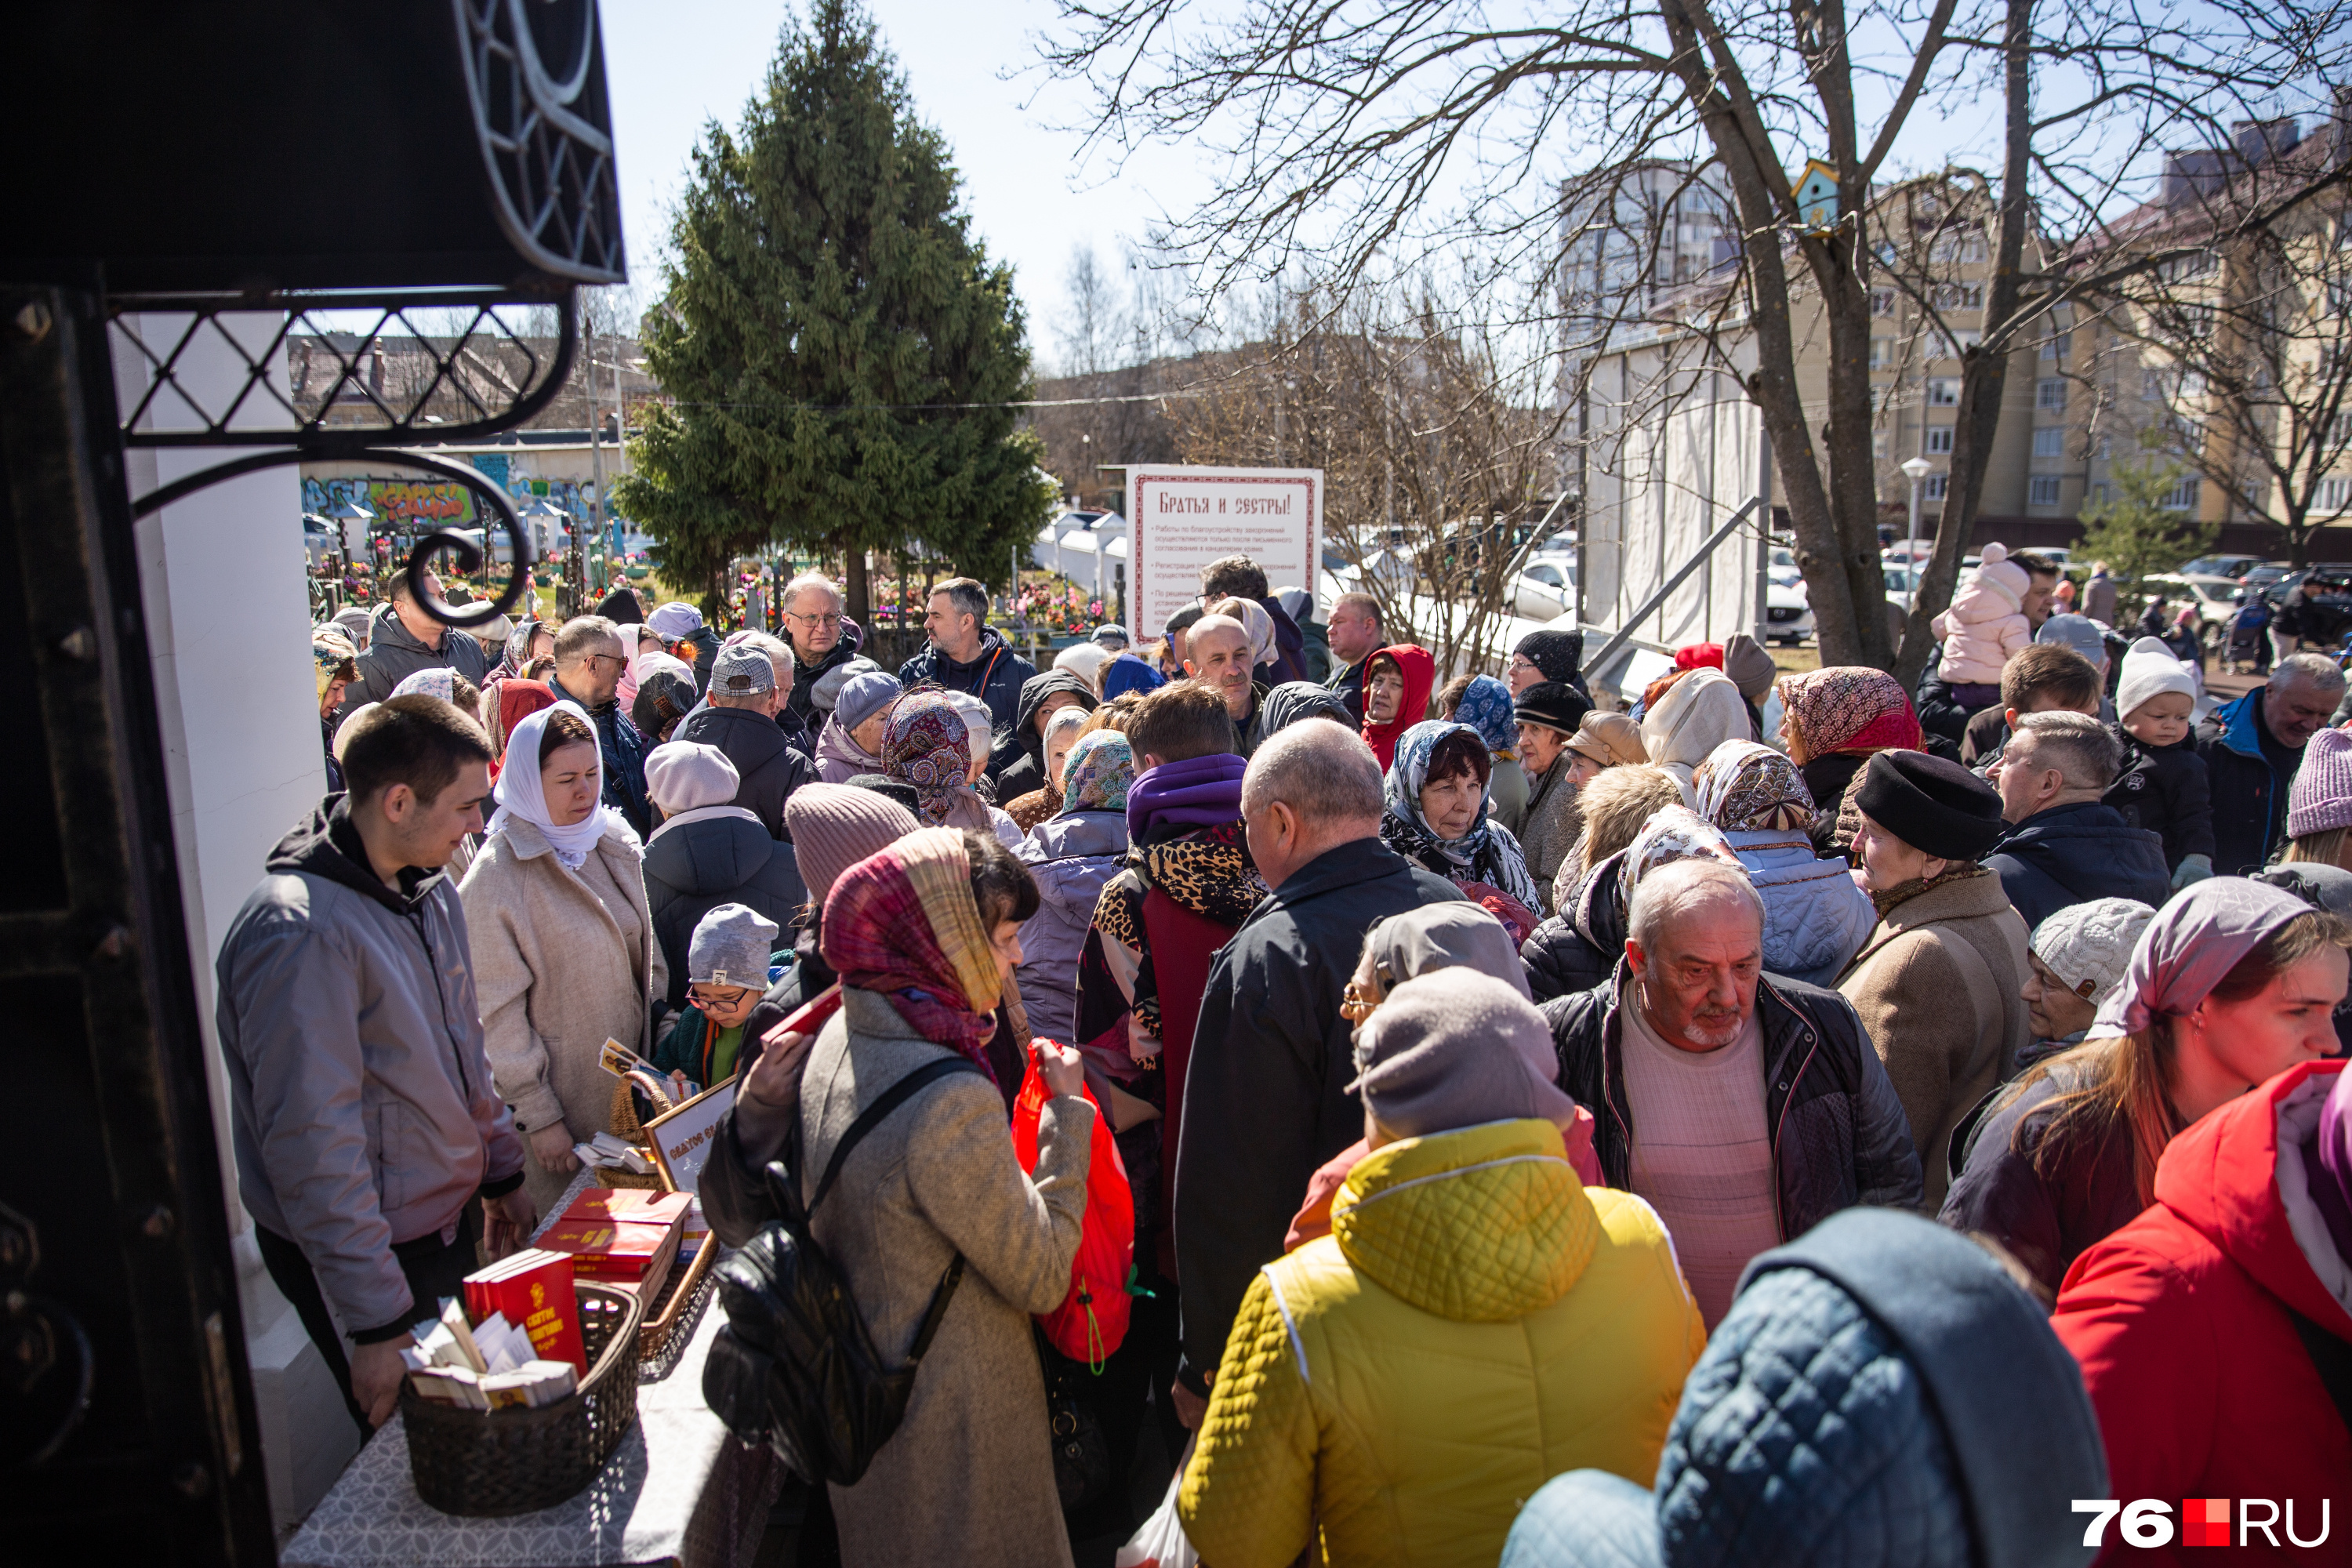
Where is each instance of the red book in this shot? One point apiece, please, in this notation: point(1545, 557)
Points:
point(534, 1291)
point(620, 1234)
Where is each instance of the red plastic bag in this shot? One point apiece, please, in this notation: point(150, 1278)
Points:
point(1091, 1322)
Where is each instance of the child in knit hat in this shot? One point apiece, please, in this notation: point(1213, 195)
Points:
point(2162, 788)
point(727, 977)
point(1985, 624)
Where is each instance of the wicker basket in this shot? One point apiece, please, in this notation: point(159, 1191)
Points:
point(626, 1124)
point(685, 1275)
point(489, 1464)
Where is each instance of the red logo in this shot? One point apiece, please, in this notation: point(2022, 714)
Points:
point(2205, 1521)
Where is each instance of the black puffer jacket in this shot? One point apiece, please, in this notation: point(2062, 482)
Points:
point(692, 868)
point(768, 766)
point(1578, 950)
point(2162, 790)
point(1839, 1135)
point(1017, 760)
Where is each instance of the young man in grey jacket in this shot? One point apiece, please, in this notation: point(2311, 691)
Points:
point(365, 1119)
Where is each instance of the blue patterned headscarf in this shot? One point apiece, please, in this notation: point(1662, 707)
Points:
point(1485, 853)
point(1486, 707)
point(1097, 773)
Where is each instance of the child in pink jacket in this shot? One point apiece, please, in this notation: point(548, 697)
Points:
point(1984, 626)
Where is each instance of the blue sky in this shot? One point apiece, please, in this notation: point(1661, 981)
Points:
point(674, 65)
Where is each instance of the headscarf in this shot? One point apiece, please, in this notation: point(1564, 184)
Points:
point(1127, 673)
point(1287, 703)
point(1703, 710)
point(518, 649)
point(2193, 942)
point(625, 693)
point(1476, 856)
point(1254, 621)
point(1486, 707)
point(929, 746)
point(1746, 788)
point(332, 653)
point(1849, 707)
point(517, 699)
point(904, 923)
point(1098, 773)
point(1677, 833)
point(521, 797)
point(1420, 671)
point(1084, 661)
point(436, 680)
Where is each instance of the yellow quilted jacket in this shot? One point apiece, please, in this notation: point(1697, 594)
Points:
point(1477, 1322)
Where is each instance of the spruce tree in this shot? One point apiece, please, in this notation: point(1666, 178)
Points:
point(840, 349)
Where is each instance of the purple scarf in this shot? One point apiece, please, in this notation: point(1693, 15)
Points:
point(1199, 791)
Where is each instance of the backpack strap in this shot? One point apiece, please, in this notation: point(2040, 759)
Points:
point(873, 1115)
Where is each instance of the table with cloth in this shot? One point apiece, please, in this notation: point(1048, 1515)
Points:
point(676, 1490)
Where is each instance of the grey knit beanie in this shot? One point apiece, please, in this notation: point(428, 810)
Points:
point(826, 692)
point(683, 775)
point(834, 826)
point(1454, 1049)
point(730, 947)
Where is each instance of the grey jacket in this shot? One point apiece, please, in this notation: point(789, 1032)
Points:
point(393, 655)
point(363, 1109)
point(1071, 856)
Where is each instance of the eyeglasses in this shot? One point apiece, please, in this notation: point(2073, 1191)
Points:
point(596, 658)
point(815, 620)
point(719, 995)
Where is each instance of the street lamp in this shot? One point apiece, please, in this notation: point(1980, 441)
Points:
point(1916, 469)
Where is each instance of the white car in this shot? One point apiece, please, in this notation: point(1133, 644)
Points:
point(1546, 590)
point(1782, 568)
point(1787, 613)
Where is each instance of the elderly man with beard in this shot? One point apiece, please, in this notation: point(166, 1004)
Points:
point(1745, 1107)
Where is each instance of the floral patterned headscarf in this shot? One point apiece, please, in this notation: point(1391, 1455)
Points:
point(437, 681)
point(1677, 833)
point(1849, 707)
point(1486, 707)
point(332, 653)
point(928, 745)
point(1746, 788)
point(1097, 773)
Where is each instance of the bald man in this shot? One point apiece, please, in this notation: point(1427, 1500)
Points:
point(1745, 1106)
point(1266, 1101)
point(1217, 653)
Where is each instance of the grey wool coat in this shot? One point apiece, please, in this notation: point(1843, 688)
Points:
point(968, 1478)
point(558, 976)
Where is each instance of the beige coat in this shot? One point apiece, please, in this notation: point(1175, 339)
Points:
point(968, 1478)
point(1936, 985)
point(558, 976)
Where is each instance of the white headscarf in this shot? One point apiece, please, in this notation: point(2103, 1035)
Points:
point(520, 796)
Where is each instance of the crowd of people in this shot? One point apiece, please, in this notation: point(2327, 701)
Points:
point(1531, 1109)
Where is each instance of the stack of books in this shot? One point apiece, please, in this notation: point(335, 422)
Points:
point(532, 1289)
point(485, 1365)
point(611, 1152)
point(626, 1237)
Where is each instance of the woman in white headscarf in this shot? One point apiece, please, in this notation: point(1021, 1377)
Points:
point(1698, 713)
point(564, 948)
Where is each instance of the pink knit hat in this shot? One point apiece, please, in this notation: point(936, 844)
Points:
point(834, 826)
point(2322, 796)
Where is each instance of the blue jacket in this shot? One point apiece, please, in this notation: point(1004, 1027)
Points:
point(2072, 854)
point(2249, 795)
point(1860, 1407)
point(623, 749)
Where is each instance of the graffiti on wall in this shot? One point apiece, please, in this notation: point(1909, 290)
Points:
point(436, 502)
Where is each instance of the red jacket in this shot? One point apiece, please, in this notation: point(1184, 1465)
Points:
point(2202, 1387)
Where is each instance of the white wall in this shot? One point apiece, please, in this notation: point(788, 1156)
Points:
point(229, 620)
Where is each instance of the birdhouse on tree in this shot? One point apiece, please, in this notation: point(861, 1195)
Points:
point(1817, 197)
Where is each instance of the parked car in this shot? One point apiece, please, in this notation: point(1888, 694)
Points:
point(2219, 566)
point(1782, 567)
point(2269, 574)
point(1787, 613)
point(1546, 590)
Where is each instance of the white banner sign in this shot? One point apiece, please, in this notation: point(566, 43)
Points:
point(1182, 518)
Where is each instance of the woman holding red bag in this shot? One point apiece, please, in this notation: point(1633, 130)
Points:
point(925, 936)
